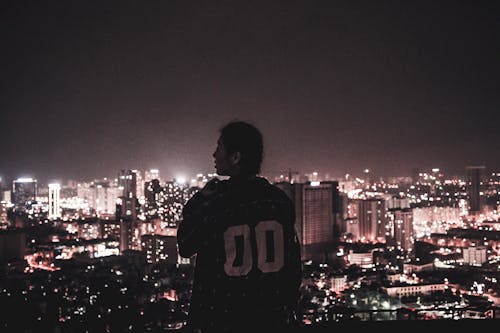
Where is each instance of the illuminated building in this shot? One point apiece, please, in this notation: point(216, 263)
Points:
point(4, 221)
point(417, 267)
point(152, 195)
point(372, 219)
point(361, 259)
point(111, 229)
point(90, 229)
point(128, 204)
point(174, 197)
point(401, 235)
point(434, 219)
point(160, 248)
point(127, 180)
point(139, 193)
point(474, 188)
point(6, 196)
point(82, 249)
point(151, 174)
point(475, 255)
point(316, 212)
point(351, 232)
point(130, 235)
point(166, 202)
point(105, 198)
point(54, 201)
point(414, 289)
point(24, 190)
point(127, 209)
point(101, 196)
point(338, 283)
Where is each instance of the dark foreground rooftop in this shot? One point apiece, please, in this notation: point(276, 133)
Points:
point(472, 325)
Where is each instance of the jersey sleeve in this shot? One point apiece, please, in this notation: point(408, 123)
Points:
point(197, 215)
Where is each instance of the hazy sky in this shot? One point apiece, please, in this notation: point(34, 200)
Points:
point(92, 87)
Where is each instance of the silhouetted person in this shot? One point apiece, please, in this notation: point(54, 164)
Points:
point(248, 269)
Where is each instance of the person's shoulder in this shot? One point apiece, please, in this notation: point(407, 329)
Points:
point(263, 184)
point(274, 191)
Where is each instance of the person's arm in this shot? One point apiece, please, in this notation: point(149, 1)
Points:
point(193, 229)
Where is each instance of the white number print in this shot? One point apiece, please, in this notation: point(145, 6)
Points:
point(231, 250)
point(270, 249)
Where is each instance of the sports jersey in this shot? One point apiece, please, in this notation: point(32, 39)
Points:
point(248, 269)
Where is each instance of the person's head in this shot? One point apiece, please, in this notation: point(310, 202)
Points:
point(239, 150)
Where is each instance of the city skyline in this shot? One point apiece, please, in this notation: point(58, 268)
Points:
point(314, 177)
point(90, 89)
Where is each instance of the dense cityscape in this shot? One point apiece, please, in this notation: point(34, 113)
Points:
point(101, 255)
point(379, 121)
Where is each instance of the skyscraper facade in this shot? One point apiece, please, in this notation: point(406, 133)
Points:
point(24, 190)
point(316, 208)
point(54, 201)
point(128, 203)
point(402, 236)
point(372, 220)
point(474, 188)
point(127, 210)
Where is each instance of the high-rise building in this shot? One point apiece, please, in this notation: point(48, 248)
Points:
point(4, 220)
point(24, 190)
point(338, 202)
point(316, 211)
point(106, 195)
point(351, 232)
point(127, 179)
point(128, 204)
point(372, 219)
point(6, 196)
point(402, 235)
point(153, 196)
point(130, 235)
point(160, 248)
point(127, 209)
point(139, 181)
point(90, 229)
point(151, 174)
point(474, 187)
point(54, 201)
point(101, 195)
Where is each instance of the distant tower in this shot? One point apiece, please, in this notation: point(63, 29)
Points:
point(139, 183)
point(474, 187)
point(54, 201)
point(127, 209)
point(401, 235)
point(368, 178)
point(152, 194)
point(24, 190)
point(127, 179)
point(152, 174)
point(372, 219)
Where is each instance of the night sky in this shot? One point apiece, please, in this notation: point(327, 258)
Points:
point(92, 87)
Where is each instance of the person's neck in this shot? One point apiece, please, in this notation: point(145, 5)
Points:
point(242, 177)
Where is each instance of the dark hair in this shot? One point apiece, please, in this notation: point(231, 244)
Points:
point(243, 137)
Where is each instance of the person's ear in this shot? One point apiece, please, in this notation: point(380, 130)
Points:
point(235, 158)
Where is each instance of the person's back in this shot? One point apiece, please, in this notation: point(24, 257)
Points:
point(248, 268)
point(249, 273)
